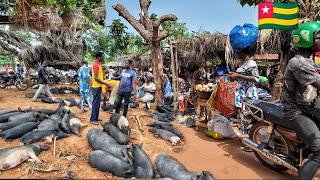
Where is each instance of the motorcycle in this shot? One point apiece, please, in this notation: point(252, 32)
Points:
point(271, 138)
point(13, 80)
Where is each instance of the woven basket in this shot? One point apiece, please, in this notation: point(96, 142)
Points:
point(203, 95)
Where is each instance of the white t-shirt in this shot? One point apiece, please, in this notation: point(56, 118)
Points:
point(110, 73)
point(150, 87)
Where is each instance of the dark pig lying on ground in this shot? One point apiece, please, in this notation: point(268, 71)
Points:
point(6, 111)
point(121, 122)
point(20, 130)
point(99, 140)
point(22, 116)
point(167, 135)
point(35, 136)
point(65, 123)
point(160, 118)
point(9, 125)
point(48, 112)
point(56, 117)
point(115, 132)
point(168, 167)
point(171, 129)
point(158, 123)
point(49, 125)
point(4, 117)
point(14, 156)
point(94, 133)
point(142, 164)
point(106, 162)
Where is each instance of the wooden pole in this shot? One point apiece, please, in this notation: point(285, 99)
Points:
point(174, 77)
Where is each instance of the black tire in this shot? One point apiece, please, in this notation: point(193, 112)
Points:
point(34, 82)
point(252, 135)
point(21, 86)
point(3, 84)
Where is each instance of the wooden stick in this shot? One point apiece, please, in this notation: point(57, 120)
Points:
point(54, 146)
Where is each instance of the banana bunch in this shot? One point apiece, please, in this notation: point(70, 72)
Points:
point(205, 87)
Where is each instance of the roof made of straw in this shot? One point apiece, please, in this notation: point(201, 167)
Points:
point(33, 56)
point(204, 47)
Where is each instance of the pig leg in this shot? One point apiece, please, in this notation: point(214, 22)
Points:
point(33, 158)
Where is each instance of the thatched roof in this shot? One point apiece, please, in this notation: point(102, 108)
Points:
point(196, 50)
point(33, 56)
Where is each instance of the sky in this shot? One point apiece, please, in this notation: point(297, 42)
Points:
point(199, 15)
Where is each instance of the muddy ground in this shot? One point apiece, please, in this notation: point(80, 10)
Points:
point(223, 159)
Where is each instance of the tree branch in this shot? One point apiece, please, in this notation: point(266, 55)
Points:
point(167, 17)
point(144, 5)
point(135, 23)
point(162, 35)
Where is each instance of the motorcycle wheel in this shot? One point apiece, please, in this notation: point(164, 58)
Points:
point(281, 146)
point(3, 84)
point(34, 82)
point(21, 86)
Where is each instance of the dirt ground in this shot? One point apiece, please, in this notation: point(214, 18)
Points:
point(223, 159)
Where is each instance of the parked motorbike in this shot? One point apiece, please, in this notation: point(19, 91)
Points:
point(13, 80)
point(271, 138)
point(72, 78)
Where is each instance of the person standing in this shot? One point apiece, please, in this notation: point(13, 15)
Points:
point(128, 79)
point(44, 82)
point(20, 69)
point(84, 81)
point(167, 93)
point(96, 87)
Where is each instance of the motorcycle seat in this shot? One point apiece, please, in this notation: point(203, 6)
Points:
point(273, 113)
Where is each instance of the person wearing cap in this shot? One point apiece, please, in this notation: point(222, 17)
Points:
point(96, 87)
point(149, 89)
point(127, 79)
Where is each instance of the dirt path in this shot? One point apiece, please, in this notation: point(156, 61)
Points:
point(223, 158)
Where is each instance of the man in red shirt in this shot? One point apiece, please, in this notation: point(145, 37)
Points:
point(96, 87)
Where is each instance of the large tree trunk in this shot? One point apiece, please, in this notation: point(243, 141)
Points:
point(277, 86)
point(174, 77)
point(157, 70)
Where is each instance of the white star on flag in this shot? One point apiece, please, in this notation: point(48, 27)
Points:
point(265, 9)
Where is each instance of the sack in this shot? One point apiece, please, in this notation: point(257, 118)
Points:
point(222, 126)
point(242, 37)
point(225, 98)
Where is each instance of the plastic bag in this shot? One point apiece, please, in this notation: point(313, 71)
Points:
point(242, 37)
point(225, 98)
point(222, 126)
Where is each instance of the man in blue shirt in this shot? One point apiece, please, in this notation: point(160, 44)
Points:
point(128, 79)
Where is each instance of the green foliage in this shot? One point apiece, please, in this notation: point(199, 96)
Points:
point(176, 30)
point(117, 32)
point(4, 60)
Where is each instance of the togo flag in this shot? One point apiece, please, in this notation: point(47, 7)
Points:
point(280, 16)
